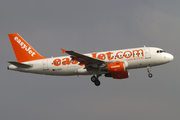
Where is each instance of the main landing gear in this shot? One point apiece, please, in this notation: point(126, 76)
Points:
point(149, 71)
point(95, 79)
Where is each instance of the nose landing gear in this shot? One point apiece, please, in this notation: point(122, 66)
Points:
point(149, 71)
point(95, 79)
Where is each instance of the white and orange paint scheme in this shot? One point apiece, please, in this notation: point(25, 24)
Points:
point(113, 64)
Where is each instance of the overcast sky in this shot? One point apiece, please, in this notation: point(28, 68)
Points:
point(88, 26)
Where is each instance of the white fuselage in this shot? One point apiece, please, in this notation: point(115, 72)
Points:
point(64, 66)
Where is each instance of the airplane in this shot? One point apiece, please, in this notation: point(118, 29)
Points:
point(114, 64)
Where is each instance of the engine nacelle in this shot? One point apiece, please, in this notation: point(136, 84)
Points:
point(114, 67)
point(118, 75)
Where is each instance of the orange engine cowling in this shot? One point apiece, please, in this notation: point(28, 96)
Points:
point(114, 67)
point(118, 75)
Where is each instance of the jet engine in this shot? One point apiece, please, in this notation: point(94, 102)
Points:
point(114, 67)
point(118, 75)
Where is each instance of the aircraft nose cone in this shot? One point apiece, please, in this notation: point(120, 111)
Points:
point(170, 57)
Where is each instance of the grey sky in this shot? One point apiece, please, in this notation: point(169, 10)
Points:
point(88, 26)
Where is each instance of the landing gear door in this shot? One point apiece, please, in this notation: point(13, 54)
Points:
point(147, 53)
point(45, 65)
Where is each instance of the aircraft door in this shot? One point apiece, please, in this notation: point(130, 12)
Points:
point(147, 53)
point(45, 65)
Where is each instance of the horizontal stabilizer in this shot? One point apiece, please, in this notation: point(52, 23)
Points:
point(20, 65)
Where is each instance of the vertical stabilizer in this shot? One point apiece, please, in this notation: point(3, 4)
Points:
point(23, 51)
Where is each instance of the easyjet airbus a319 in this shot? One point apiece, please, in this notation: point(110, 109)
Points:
point(114, 64)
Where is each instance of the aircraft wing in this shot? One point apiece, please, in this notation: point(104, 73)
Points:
point(83, 59)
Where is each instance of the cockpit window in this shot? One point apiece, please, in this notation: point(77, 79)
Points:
point(160, 51)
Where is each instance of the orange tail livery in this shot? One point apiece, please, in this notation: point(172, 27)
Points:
point(23, 51)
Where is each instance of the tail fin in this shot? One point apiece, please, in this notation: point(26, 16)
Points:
point(23, 51)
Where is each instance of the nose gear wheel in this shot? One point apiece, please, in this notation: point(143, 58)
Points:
point(149, 71)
